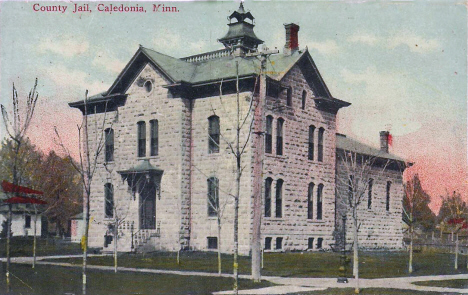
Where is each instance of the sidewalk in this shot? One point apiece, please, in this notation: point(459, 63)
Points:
point(284, 285)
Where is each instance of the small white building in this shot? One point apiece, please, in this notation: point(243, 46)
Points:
point(26, 209)
point(76, 228)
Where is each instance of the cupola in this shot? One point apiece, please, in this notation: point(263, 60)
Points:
point(241, 37)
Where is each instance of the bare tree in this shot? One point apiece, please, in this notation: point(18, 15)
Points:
point(17, 128)
point(238, 146)
point(358, 170)
point(91, 144)
point(217, 209)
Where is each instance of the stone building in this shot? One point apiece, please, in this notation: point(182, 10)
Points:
point(167, 168)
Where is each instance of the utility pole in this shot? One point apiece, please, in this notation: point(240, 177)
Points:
point(258, 144)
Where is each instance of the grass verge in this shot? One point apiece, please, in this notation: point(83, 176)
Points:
point(459, 284)
point(372, 264)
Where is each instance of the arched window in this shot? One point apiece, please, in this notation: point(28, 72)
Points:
point(311, 142)
point(310, 201)
point(319, 201)
point(141, 139)
point(213, 196)
point(213, 134)
point(304, 97)
point(268, 183)
point(109, 144)
point(269, 135)
point(279, 136)
point(289, 102)
point(154, 139)
point(279, 199)
point(109, 200)
point(320, 144)
point(369, 193)
point(387, 204)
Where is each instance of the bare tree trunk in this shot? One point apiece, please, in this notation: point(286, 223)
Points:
point(236, 199)
point(87, 186)
point(35, 239)
point(116, 238)
point(356, 254)
point(85, 243)
point(8, 248)
point(236, 229)
point(410, 264)
point(456, 252)
point(219, 244)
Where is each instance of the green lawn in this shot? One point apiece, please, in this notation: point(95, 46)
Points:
point(373, 264)
point(23, 246)
point(371, 291)
point(460, 284)
point(60, 280)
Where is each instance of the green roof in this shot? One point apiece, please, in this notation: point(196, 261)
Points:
point(348, 144)
point(220, 68)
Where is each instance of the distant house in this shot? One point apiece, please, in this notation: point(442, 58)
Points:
point(166, 165)
point(76, 228)
point(25, 203)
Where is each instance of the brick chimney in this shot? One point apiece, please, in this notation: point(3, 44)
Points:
point(292, 40)
point(384, 137)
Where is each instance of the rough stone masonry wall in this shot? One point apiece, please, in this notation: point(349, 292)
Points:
point(294, 168)
point(379, 228)
point(171, 115)
point(221, 165)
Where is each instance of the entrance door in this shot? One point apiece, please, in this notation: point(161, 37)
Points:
point(148, 205)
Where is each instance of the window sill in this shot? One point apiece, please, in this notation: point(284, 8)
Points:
point(276, 156)
point(315, 221)
point(273, 218)
point(273, 250)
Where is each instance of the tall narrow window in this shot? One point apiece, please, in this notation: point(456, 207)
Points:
point(109, 200)
point(311, 142)
point(213, 134)
point(279, 243)
point(279, 136)
point(320, 145)
point(369, 193)
point(141, 139)
point(319, 243)
point(279, 199)
point(310, 201)
point(154, 145)
point(387, 203)
point(269, 134)
point(268, 183)
point(319, 201)
point(109, 144)
point(268, 243)
point(213, 196)
point(304, 97)
point(289, 97)
point(310, 243)
point(27, 221)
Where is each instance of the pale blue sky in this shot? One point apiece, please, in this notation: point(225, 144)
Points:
point(401, 64)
